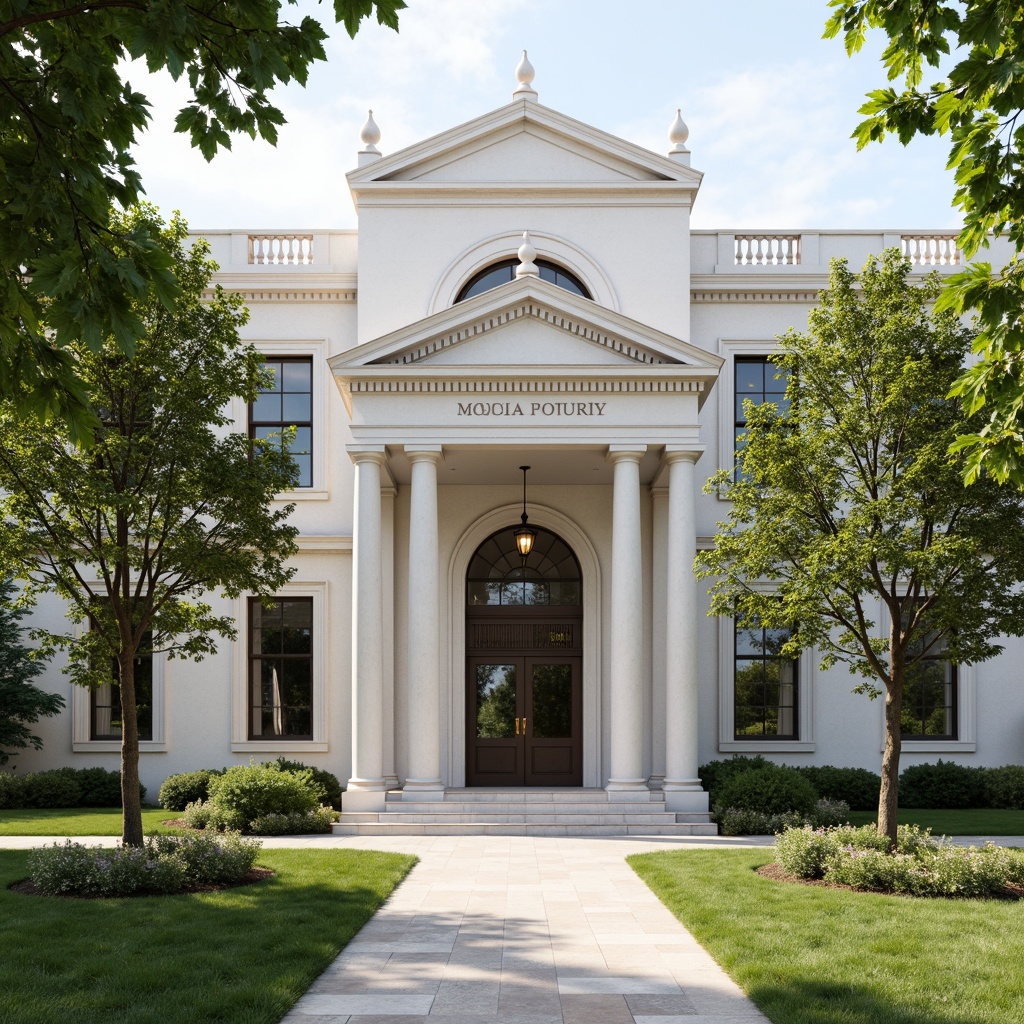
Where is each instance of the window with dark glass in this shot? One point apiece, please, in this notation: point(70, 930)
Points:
point(498, 574)
point(105, 719)
point(505, 271)
point(766, 685)
point(281, 669)
point(758, 379)
point(929, 693)
point(287, 402)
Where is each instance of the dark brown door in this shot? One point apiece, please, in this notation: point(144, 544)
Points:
point(524, 721)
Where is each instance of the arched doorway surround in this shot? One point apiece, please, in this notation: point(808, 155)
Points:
point(524, 646)
point(455, 631)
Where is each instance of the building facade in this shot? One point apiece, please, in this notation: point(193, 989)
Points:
point(523, 291)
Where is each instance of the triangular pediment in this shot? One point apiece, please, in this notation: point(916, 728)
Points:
point(523, 142)
point(527, 322)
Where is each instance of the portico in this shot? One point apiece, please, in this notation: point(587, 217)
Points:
point(605, 409)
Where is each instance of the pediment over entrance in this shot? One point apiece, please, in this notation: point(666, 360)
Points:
point(528, 323)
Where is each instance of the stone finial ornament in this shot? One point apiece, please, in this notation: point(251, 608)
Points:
point(678, 133)
point(524, 76)
point(527, 254)
point(369, 135)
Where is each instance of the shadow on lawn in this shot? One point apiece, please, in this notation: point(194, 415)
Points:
point(822, 1002)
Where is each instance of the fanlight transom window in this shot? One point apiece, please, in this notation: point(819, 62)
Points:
point(498, 574)
point(505, 271)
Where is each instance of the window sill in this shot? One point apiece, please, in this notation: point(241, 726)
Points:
point(278, 746)
point(304, 494)
point(766, 746)
point(114, 747)
point(937, 747)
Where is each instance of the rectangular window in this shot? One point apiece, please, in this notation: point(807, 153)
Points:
point(930, 695)
point(757, 379)
point(766, 686)
point(281, 669)
point(105, 721)
point(287, 402)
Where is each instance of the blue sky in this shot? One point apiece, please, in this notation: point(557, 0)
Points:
point(770, 106)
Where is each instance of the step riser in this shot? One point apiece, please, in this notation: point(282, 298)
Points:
point(403, 818)
point(525, 830)
point(467, 807)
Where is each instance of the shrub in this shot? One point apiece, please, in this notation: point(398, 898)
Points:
point(739, 821)
point(828, 813)
point(1004, 787)
point(855, 786)
point(253, 790)
point(715, 774)
point(330, 787)
point(319, 820)
point(166, 864)
point(99, 787)
point(178, 791)
point(10, 791)
point(774, 790)
point(204, 814)
point(55, 788)
point(943, 784)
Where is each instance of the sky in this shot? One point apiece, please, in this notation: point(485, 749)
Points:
point(770, 106)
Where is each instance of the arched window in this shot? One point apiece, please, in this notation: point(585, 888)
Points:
point(498, 575)
point(505, 271)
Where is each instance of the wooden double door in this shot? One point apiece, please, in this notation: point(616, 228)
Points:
point(524, 720)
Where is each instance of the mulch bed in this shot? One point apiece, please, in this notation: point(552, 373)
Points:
point(28, 888)
point(777, 874)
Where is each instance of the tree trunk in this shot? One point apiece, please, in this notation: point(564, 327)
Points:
point(131, 822)
point(888, 798)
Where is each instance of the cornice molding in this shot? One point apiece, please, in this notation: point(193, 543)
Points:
point(450, 385)
point(811, 298)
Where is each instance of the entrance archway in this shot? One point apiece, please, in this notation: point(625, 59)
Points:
point(524, 654)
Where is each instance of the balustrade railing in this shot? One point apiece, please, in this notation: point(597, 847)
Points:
point(932, 250)
point(294, 250)
point(767, 250)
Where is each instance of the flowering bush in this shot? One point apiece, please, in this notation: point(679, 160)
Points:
point(921, 866)
point(165, 864)
point(739, 821)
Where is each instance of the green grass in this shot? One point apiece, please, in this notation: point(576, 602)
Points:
point(77, 821)
point(983, 821)
point(239, 956)
point(812, 955)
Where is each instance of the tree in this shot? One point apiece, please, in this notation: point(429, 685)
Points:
point(21, 703)
point(849, 516)
point(979, 106)
point(166, 506)
point(69, 120)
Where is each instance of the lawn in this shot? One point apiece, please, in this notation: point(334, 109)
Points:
point(812, 955)
point(983, 821)
point(239, 956)
point(77, 821)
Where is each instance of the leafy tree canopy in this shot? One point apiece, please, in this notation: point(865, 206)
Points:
point(850, 525)
point(68, 120)
point(21, 703)
point(167, 505)
point(979, 106)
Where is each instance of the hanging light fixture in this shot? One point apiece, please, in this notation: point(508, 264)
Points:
point(524, 535)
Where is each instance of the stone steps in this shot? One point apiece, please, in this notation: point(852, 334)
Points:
point(535, 812)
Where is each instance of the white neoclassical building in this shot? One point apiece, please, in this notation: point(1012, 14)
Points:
point(523, 326)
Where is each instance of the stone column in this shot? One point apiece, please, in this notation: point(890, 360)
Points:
point(423, 691)
point(659, 562)
point(683, 791)
point(387, 614)
point(627, 625)
point(366, 788)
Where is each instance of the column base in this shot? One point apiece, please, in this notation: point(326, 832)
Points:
point(422, 789)
point(391, 782)
point(364, 795)
point(686, 796)
point(627, 789)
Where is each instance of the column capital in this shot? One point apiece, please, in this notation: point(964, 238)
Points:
point(377, 453)
point(626, 452)
point(677, 453)
point(424, 453)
